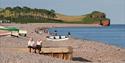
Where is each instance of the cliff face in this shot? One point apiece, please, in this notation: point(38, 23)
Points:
point(105, 23)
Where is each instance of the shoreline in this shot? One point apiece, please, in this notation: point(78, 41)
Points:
point(99, 42)
point(89, 50)
point(55, 24)
point(85, 49)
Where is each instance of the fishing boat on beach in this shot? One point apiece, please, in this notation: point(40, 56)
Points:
point(13, 31)
point(57, 38)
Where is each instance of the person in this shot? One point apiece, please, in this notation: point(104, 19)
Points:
point(69, 34)
point(55, 32)
point(39, 45)
point(31, 45)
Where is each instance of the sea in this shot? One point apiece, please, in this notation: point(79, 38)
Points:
point(112, 35)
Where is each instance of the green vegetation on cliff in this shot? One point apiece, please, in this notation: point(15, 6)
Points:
point(26, 14)
point(34, 15)
point(95, 17)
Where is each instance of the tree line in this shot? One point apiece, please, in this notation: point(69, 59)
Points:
point(34, 15)
point(26, 12)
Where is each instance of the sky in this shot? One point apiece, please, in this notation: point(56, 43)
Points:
point(114, 9)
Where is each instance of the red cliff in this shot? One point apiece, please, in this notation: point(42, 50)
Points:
point(105, 22)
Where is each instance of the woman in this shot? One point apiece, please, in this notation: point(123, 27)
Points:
point(31, 45)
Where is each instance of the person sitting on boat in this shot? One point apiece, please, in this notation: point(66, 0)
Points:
point(31, 45)
point(39, 45)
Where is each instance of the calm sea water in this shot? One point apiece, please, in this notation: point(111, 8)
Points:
point(114, 34)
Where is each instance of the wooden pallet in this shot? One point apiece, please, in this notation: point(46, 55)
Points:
point(57, 52)
point(62, 53)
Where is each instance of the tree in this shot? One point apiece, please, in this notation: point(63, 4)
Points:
point(97, 14)
point(8, 8)
point(27, 13)
point(53, 15)
point(26, 9)
point(94, 17)
point(17, 11)
point(8, 12)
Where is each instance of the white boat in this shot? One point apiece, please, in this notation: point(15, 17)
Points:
point(14, 31)
point(4, 33)
point(57, 38)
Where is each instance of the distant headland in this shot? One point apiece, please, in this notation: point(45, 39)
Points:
point(33, 15)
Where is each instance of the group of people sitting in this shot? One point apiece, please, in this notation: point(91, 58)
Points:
point(32, 45)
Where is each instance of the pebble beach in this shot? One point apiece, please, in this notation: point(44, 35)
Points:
point(84, 51)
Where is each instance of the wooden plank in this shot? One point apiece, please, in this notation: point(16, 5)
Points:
point(56, 50)
point(62, 53)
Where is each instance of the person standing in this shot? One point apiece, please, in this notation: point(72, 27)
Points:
point(39, 45)
point(31, 45)
point(69, 34)
point(55, 32)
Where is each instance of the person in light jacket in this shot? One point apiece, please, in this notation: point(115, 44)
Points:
point(39, 45)
point(31, 45)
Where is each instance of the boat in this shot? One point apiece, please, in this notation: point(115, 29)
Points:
point(4, 33)
point(57, 38)
point(14, 31)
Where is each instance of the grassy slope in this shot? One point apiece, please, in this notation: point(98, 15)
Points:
point(69, 18)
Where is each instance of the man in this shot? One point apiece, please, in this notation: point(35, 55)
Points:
point(69, 34)
point(31, 45)
point(39, 45)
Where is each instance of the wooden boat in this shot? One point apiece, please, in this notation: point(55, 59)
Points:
point(4, 33)
point(14, 31)
point(57, 38)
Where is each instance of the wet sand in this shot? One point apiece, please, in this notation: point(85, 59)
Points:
point(84, 51)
